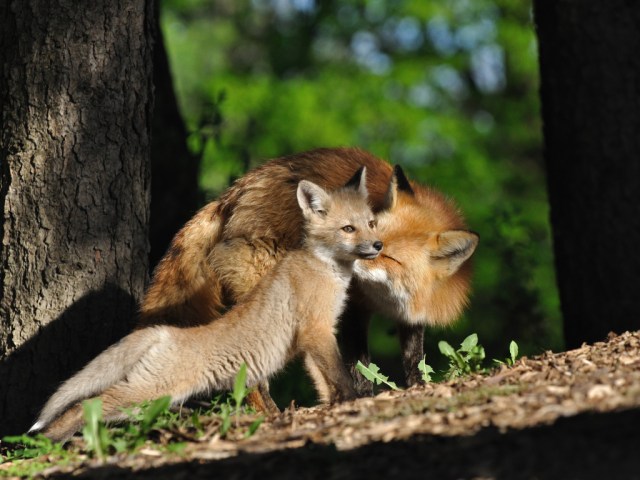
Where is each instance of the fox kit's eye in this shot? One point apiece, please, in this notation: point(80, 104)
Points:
point(348, 229)
point(372, 224)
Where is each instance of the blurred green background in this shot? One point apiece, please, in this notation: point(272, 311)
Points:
point(448, 89)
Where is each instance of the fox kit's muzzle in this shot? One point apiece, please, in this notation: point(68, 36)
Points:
point(370, 251)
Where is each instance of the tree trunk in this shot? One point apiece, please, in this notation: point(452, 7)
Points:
point(590, 90)
point(175, 194)
point(76, 100)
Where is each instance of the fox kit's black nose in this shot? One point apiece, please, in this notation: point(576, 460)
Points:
point(377, 245)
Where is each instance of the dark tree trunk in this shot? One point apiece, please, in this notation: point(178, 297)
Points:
point(590, 89)
point(75, 106)
point(175, 195)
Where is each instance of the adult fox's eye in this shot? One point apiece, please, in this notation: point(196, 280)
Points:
point(372, 224)
point(348, 229)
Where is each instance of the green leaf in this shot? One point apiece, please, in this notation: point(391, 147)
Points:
point(152, 412)
point(33, 447)
point(446, 349)
point(240, 385)
point(477, 353)
point(120, 444)
point(195, 421)
point(513, 351)
point(425, 370)
point(177, 447)
point(94, 432)
point(254, 426)
point(225, 414)
point(372, 373)
point(469, 342)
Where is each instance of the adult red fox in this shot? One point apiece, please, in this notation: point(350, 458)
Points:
point(421, 278)
point(293, 310)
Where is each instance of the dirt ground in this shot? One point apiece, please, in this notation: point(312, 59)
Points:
point(571, 415)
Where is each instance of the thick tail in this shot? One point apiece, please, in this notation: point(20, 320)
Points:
point(103, 371)
point(184, 289)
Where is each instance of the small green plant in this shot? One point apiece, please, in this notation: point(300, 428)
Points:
point(27, 456)
point(253, 428)
point(225, 416)
point(425, 370)
point(95, 433)
point(513, 355)
point(143, 419)
point(466, 359)
point(240, 387)
point(25, 446)
point(372, 373)
point(226, 410)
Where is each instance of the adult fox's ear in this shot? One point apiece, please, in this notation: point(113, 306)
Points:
point(313, 200)
point(398, 183)
point(449, 250)
point(359, 182)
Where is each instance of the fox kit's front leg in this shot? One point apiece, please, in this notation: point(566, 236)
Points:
point(354, 327)
point(324, 364)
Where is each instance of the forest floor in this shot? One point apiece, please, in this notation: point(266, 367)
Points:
point(565, 415)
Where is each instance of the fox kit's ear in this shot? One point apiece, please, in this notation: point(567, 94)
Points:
point(452, 248)
point(359, 182)
point(398, 183)
point(313, 200)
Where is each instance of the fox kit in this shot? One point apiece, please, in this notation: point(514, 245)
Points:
point(421, 278)
point(293, 310)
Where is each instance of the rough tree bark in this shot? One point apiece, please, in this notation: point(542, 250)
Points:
point(76, 98)
point(590, 90)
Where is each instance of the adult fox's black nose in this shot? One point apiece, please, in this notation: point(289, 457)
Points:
point(377, 245)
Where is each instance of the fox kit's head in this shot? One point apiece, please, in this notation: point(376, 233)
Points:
point(340, 224)
point(423, 276)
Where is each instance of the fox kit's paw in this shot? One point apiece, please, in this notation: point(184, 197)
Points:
point(262, 402)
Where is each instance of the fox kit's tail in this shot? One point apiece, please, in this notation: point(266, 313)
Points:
point(105, 370)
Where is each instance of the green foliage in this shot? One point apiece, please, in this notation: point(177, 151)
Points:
point(26, 446)
point(513, 351)
point(253, 427)
point(226, 411)
point(144, 422)
point(513, 355)
point(466, 359)
point(225, 415)
point(425, 370)
point(239, 386)
point(372, 373)
point(23, 452)
point(95, 433)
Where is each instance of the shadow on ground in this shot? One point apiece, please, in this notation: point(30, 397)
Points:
point(35, 370)
point(587, 446)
